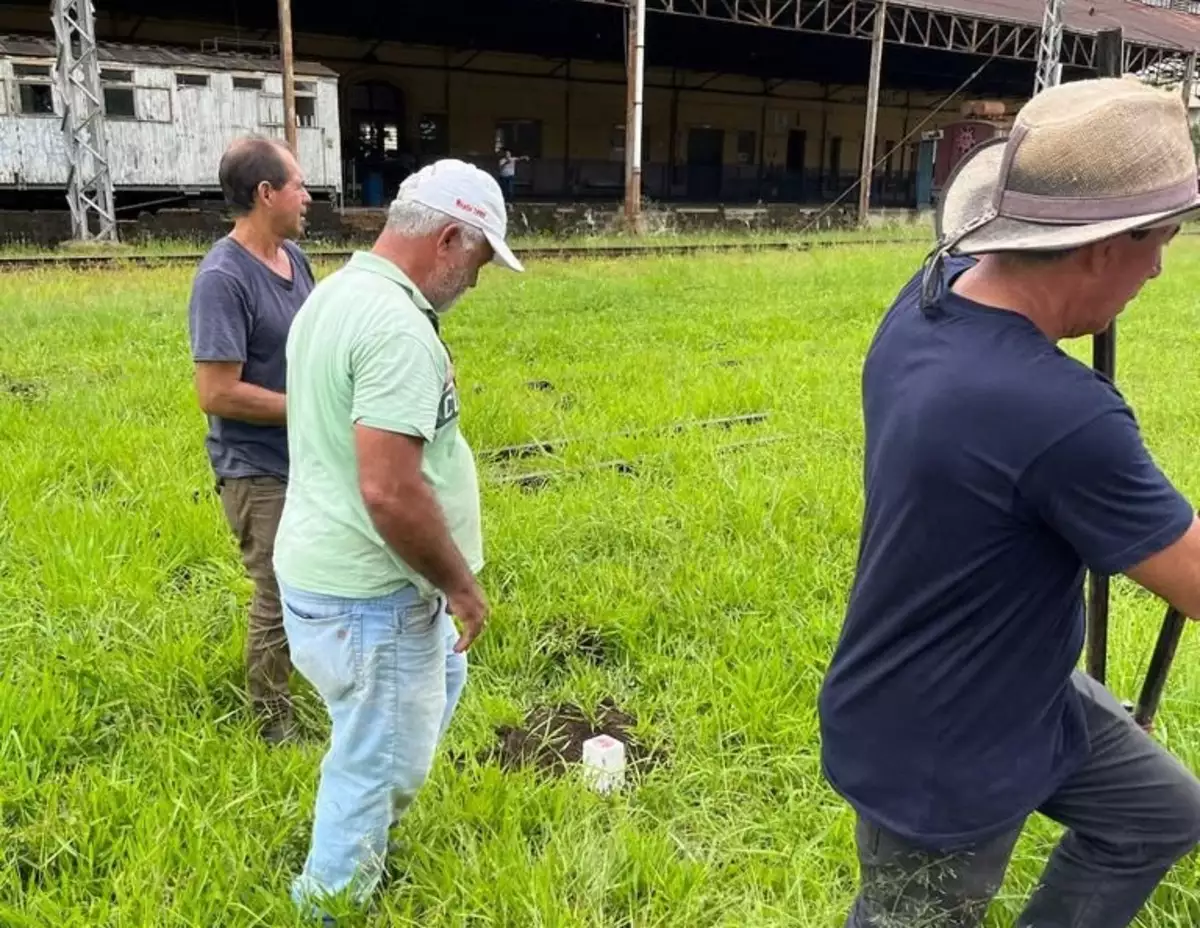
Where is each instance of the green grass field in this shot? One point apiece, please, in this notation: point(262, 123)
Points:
point(701, 593)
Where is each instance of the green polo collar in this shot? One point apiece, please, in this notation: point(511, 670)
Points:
point(372, 263)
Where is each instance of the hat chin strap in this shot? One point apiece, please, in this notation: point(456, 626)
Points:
point(933, 270)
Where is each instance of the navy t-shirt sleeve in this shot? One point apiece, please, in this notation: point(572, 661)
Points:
point(219, 318)
point(1101, 491)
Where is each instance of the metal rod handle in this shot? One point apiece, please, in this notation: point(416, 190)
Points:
point(1160, 666)
point(1097, 627)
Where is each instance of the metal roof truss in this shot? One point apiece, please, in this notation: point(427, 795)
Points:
point(914, 26)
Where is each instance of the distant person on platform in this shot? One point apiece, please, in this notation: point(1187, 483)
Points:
point(381, 538)
point(998, 470)
point(244, 296)
point(508, 172)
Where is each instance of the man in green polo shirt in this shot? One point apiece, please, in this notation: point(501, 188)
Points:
point(380, 543)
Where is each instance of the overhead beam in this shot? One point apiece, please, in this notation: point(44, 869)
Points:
point(917, 27)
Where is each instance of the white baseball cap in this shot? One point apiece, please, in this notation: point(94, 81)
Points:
point(467, 194)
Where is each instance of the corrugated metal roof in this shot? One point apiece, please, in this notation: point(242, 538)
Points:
point(161, 56)
point(1143, 24)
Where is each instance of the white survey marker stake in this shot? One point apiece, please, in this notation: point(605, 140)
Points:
point(604, 763)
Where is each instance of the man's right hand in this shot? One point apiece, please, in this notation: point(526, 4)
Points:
point(406, 513)
point(470, 607)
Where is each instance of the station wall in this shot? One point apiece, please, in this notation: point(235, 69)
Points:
point(706, 137)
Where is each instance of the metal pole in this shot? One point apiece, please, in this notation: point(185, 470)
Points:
point(1097, 627)
point(635, 88)
point(1049, 63)
point(1109, 63)
point(289, 73)
point(868, 152)
point(1189, 77)
point(90, 193)
point(1160, 665)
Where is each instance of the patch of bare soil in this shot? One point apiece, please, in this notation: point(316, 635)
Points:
point(552, 739)
point(26, 390)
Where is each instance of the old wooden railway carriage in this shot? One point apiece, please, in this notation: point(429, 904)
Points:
point(169, 114)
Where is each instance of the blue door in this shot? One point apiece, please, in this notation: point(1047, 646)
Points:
point(373, 189)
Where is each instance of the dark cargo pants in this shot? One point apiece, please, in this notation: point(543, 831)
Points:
point(253, 506)
point(1131, 812)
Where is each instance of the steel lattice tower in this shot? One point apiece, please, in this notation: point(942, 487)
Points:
point(89, 181)
point(1049, 66)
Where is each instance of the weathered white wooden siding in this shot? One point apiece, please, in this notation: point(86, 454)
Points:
point(179, 133)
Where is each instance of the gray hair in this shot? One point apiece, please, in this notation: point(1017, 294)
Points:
point(410, 219)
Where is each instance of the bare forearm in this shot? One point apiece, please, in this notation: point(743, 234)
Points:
point(414, 527)
point(246, 402)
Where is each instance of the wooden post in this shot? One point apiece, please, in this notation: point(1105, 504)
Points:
point(1110, 47)
point(868, 152)
point(1189, 77)
point(635, 87)
point(289, 73)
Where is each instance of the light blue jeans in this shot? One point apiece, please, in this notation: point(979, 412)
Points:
point(390, 679)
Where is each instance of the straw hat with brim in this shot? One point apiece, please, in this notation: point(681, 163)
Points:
point(1085, 161)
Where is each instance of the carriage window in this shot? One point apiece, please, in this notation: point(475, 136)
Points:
point(306, 112)
point(23, 71)
point(118, 102)
point(37, 99)
point(118, 94)
point(247, 83)
point(191, 80)
point(35, 89)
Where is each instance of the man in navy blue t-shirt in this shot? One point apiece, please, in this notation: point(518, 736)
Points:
point(245, 294)
point(998, 470)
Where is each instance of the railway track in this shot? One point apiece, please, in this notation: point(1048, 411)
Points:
point(535, 253)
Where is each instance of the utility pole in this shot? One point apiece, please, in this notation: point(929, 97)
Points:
point(1049, 64)
point(635, 88)
point(89, 180)
point(289, 73)
point(868, 152)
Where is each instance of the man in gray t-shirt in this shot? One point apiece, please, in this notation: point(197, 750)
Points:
point(245, 294)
